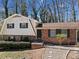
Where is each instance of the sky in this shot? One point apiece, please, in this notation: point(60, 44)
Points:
point(11, 6)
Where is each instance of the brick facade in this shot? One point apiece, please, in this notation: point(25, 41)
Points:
point(36, 46)
point(70, 40)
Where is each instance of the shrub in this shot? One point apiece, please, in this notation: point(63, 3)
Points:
point(60, 38)
point(25, 39)
point(60, 35)
point(14, 45)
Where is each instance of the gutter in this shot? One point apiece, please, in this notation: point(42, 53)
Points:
point(32, 26)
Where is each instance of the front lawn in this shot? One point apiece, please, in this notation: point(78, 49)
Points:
point(15, 54)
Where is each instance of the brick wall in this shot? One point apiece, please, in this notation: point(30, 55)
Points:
point(70, 40)
point(36, 46)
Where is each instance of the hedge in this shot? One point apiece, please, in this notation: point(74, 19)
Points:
point(14, 45)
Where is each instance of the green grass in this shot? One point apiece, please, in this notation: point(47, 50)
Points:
point(15, 54)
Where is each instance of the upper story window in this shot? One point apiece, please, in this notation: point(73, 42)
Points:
point(10, 25)
point(23, 25)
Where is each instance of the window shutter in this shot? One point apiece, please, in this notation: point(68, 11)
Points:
point(39, 34)
point(68, 33)
point(48, 33)
point(20, 25)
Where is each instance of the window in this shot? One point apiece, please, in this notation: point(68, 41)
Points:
point(10, 25)
point(64, 31)
point(23, 25)
point(39, 25)
point(51, 33)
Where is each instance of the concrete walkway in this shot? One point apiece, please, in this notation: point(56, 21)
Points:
point(73, 55)
point(60, 52)
point(51, 53)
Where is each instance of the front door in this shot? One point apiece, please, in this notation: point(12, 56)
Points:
point(78, 36)
point(39, 34)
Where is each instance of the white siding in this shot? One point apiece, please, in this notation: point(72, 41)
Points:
point(17, 30)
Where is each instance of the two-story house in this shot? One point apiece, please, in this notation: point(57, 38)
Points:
point(18, 27)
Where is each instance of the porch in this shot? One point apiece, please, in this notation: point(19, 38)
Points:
point(48, 32)
point(49, 35)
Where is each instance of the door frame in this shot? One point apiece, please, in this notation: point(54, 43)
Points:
point(77, 36)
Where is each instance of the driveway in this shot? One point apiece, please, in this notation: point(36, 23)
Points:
point(56, 53)
point(53, 52)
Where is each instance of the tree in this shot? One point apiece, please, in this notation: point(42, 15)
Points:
point(58, 11)
point(23, 8)
point(54, 9)
point(44, 14)
point(73, 10)
point(16, 5)
point(67, 10)
point(78, 2)
point(34, 9)
point(51, 15)
point(5, 5)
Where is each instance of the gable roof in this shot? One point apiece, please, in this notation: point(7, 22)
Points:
point(18, 15)
point(62, 25)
